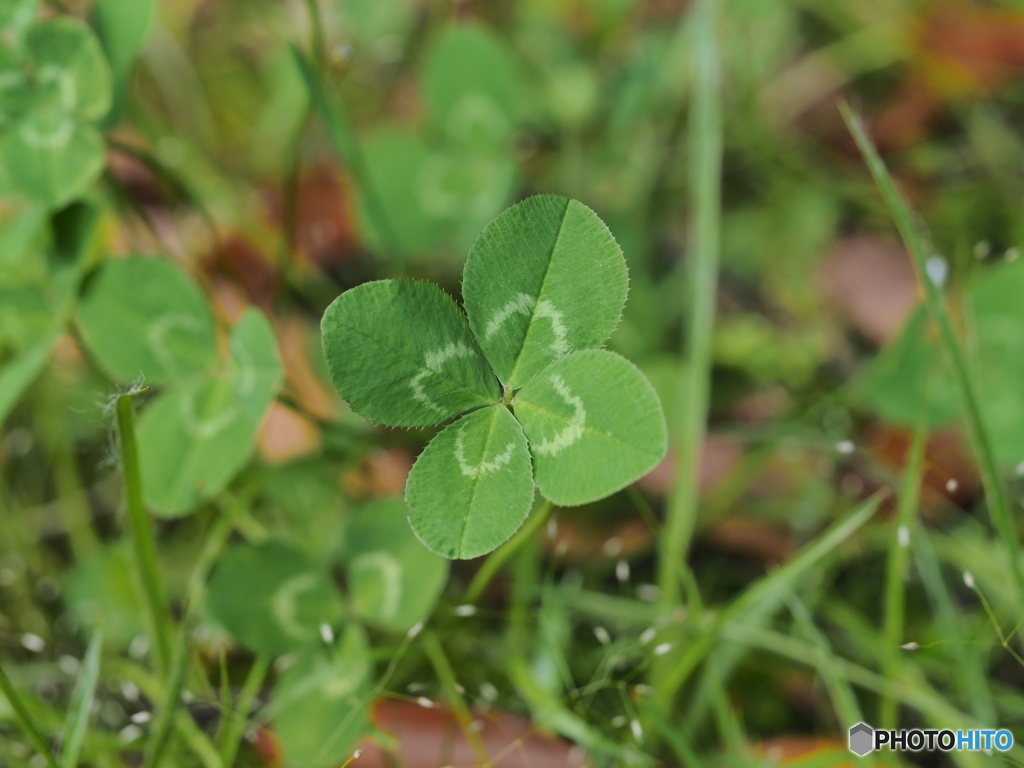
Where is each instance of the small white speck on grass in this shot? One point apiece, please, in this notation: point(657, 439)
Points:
point(129, 733)
point(476, 726)
point(326, 633)
point(937, 269)
point(139, 718)
point(460, 688)
point(187, 697)
point(662, 649)
point(465, 610)
point(1019, 470)
point(952, 485)
point(69, 665)
point(416, 687)
point(618, 721)
point(969, 579)
point(552, 528)
point(32, 642)
point(845, 447)
point(1012, 254)
point(622, 571)
point(357, 754)
point(488, 692)
point(424, 702)
point(283, 662)
point(612, 547)
point(602, 635)
point(647, 635)
point(648, 592)
point(130, 691)
point(642, 690)
point(415, 629)
point(638, 731)
point(911, 646)
point(139, 647)
point(982, 249)
point(903, 536)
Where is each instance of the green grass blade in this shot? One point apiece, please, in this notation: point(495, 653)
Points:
point(995, 494)
point(160, 738)
point(896, 570)
point(844, 701)
point(81, 703)
point(763, 597)
point(25, 719)
point(695, 376)
point(18, 374)
point(336, 122)
point(237, 720)
point(143, 540)
point(967, 660)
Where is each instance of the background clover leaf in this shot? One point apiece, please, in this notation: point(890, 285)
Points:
point(544, 278)
point(272, 597)
point(472, 487)
point(594, 424)
point(50, 148)
point(325, 693)
point(144, 317)
point(402, 354)
point(195, 438)
point(471, 86)
point(393, 579)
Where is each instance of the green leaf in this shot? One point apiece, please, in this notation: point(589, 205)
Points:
point(194, 439)
point(15, 92)
point(271, 597)
point(17, 375)
point(393, 579)
point(102, 591)
point(123, 26)
point(469, 81)
point(994, 299)
point(143, 317)
point(471, 488)
point(15, 17)
point(544, 278)
point(401, 353)
point(320, 704)
point(70, 69)
point(50, 158)
point(909, 368)
point(81, 703)
point(594, 424)
point(398, 170)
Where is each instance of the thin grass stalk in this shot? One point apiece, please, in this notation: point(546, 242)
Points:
point(25, 720)
point(160, 738)
point(995, 494)
point(446, 676)
point(143, 540)
point(339, 129)
point(705, 157)
point(82, 699)
point(896, 571)
point(236, 721)
point(761, 598)
point(498, 558)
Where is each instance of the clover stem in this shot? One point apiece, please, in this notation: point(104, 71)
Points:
point(505, 551)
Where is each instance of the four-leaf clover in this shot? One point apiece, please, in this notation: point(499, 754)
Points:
point(539, 403)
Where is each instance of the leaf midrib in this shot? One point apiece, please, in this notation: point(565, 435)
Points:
point(540, 292)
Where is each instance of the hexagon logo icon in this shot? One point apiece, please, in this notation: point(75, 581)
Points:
point(862, 739)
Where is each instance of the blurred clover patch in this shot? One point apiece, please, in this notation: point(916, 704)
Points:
point(539, 404)
point(55, 85)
